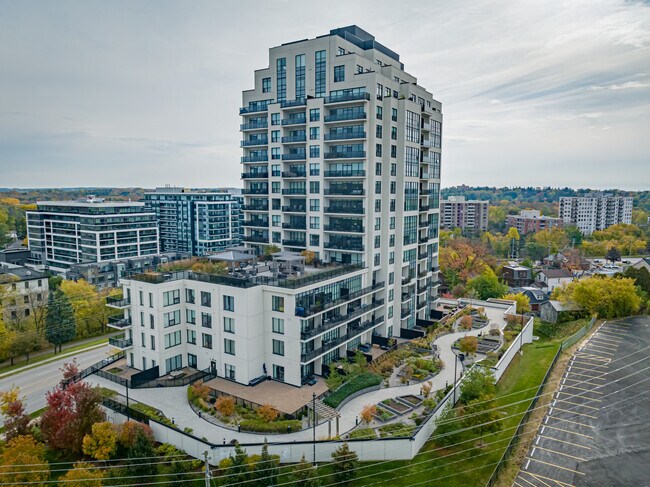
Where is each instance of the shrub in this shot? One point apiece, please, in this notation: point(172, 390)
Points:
point(466, 322)
point(261, 426)
point(494, 332)
point(267, 413)
point(430, 403)
point(426, 389)
point(363, 434)
point(368, 412)
point(127, 432)
point(198, 390)
point(225, 405)
point(356, 384)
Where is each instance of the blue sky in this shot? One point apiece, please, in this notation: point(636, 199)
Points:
point(145, 93)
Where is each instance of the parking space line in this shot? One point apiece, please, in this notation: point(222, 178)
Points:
point(583, 405)
point(589, 355)
point(592, 364)
point(598, 350)
point(613, 333)
point(560, 453)
point(613, 341)
point(539, 480)
point(556, 466)
point(572, 422)
point(564, 441)
point(540, 477)
point(586, 370)
point(519, 477)
point(568, 431)
point(599, 345)
point(595, 377)
point(568, 386)
point(517, 484)
point(581, 381)
point(573, 412)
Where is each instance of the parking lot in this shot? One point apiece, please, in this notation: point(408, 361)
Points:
point(596, 430)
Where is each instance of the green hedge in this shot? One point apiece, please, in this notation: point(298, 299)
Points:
point(355, 384)
point(274, 427)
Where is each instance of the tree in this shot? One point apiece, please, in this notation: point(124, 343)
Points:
point(178, 464)
point(265, 471)
point(477, 382)
point(553, 240)
point(142, 447)
point(23, 343)
point(513, 235)
point(83, 475)
point(225, 405)
point(304, 474)
point(89, 306)
point(60, 324)
point(309, 256)
point(466, 322)
point(460, 260)
point(101, 444)
point(605, 296)
point(16, 421)
point(23, 462)
point(268, 413)
point(70, 414)
point(628, 238)
point(487, 285)
point(368, 413)
point(468, 345)
point(523, 302)
point(481, 415)
point(613, 254)
point(345, 463)
point(238, 471)
point(446, 432)
point(641, 277)
point(269, 250)
point(127, 433)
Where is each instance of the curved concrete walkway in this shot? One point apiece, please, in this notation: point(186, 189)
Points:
point(172, 401)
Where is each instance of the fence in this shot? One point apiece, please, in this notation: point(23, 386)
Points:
point(97, 367)
point(573, 339)
point(525, 336)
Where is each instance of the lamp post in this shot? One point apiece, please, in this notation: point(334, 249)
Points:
point(313, 407)
point(126, 385)
point(455, 374)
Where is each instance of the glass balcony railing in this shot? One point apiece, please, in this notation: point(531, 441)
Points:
point(256, 191)
point(341, 117)
point(295, 225)
point(347, 97)
point(352, 154)
point(294, 209)
point(345, 135)
point(345, 191)
point(120, 342)
point(294, 120)
point(294, 156)
point(255, 158)
point(253, 142)
point(256, 207)
point(290, 191)
point(347, 210)
point(254, 175)
point(345, 173)
point(294, 174)
point(294, 243)
point(294, 138)
point(256, 223)
point(253, 125)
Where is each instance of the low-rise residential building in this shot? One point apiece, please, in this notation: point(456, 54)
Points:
point(595, 211)
point(456, 212)
point(530, 221)
point(549, 279)
point(63, 233)
point(23, 293)
point(517, 275)
point(558, 312)
point(15, 254)
point(535, 296)
point(643, 263)
point(284, 319)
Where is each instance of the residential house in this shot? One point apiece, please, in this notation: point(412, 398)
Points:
point(549, 279)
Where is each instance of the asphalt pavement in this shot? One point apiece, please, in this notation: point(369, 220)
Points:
point(596, 431)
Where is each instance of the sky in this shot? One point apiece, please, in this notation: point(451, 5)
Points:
point(146, 93)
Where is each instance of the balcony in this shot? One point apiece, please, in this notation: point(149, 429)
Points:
point(352, 154)
point(254, 175)
point(301, 102)
point(294, 138)
point(119, 322)
point(424, 207)
point(294, 174)
point(405, 313)
point(423, 224)
point(353, 332)
point(422, 255)
point(350, 173)
point(407, 279)
point(425, 192)
point(306, 312)
point(342, 117)
point(345, 228)
point(423, 240)
point(426, 160)
point(345, 136)
point(295, 226)
point(347, 246)
point(294, 209)
point(290, 191)
point(296, 156)
point(255, 207)
point(345, 210)
point(294, 243)
point(294, 120)
point(421, 304)
point(339, 320)
point(255, 238)
point(120, 342)
point(253, 126)
point(255, 158)
point(254, 142)
point(256, 223)
point(255, 191)
point(435, 269)
point(347, 97)
point(117, 303)
point(344, 191)
point(426, 127)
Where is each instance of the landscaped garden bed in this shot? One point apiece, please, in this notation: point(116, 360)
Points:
point(396, 430)
point(363, 434)
point(383, 415)
point(395, 406)
point(355, 384)
point(412, 401)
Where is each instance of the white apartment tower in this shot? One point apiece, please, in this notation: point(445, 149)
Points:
point(341, 156)
point(595, 211)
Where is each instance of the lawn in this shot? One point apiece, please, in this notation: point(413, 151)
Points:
point(469, 463)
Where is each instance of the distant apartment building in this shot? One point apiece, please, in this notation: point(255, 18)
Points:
point(530, 221)
point(595, 211)
point(63, 233)
point(456, 212)
point(195, 221)
point(517, 275)
point(23, 293)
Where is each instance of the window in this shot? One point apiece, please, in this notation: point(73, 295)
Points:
point(412, 127)
point(393, 154)
point(275, 136)
point(275, 170)
point(412, 161)
point(141, 298)
point(339, 73)
point(314, 151)
point(377, 223)
point(150, 300)
point(174, 363)
point(314, 115)
point(393, 116)
point(191, 360)
point(143, 340)
point(151, 322)
point(377, 241)
point(314, 133)
point(314, 205)
point(172, 339)
point(141, 318)
point(321, 73)
point(393, 187)
point(314, 240)
point(314, 187)
point(340, 51)
point(277, 303)
point(276, 220)
point(378, 168)
point(278, 347)
point(190, 296)
point(190, 316)
point(266, 85)
point(300, 76)
point(314, 169)
point(278, 325)
point(377, 187)
point(392, 223)
point(278, 373)
point(191, 337)
point(275, 153)
point(391, 257)
point(206, 298)
point(379, 113)
point(387, 92)
point(377, 206)
point(314, 222)
point(276, 237)
point(377, 259)
point(171, 319)
point(229, 325)
point(206, 340)
point(275, 119)
point(281, 76)
point(378, 150)
point(275, 187)
point(229, 346)
point(378, 132)
point(393, 133)
point(230, 371)
point(228, 303)
point(380, 91)
point(206, 320)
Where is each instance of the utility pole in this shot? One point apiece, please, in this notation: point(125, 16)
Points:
point(207, 469)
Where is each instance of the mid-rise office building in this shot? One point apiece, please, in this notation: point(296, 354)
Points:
point(341, 158)
point(195, 221)
point(456, 212)
point(62, 233)
point(595, 211)
point(530, 221)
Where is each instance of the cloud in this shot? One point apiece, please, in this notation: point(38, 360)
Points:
point(629, 85)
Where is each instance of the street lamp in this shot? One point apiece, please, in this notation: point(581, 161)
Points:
point(313, 407)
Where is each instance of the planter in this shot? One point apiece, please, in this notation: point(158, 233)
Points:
point(395, 406)
point(410, 400)
point(384, 414)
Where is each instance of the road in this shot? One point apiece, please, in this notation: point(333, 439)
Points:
point(34, 383)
